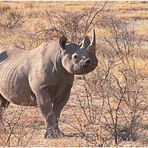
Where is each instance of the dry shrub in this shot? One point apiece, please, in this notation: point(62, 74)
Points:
point(10, 20)
point(10, 24)
point(74, 25)
point(18, 128)
point(4, 7)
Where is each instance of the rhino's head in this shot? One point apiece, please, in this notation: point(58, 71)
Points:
point(79, 59)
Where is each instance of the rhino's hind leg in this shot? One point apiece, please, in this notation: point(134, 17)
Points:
point(3, 105)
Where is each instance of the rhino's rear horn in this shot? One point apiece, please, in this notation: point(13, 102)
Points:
point(85, 43)
point(92, 46)
point(62, 41)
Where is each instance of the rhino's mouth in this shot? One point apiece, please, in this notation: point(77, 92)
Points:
point(84, 69)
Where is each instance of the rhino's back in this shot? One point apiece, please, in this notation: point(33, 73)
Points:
point(10, 52)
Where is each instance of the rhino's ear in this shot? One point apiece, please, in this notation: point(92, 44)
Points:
point(62, 41)
point(85, 43)
point(92, 46)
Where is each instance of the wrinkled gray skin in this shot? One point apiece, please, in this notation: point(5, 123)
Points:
point(44, 76)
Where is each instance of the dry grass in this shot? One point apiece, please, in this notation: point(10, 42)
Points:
point(34, 18)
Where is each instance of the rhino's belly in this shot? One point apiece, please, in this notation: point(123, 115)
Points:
point(17, 91)
point(20, 96)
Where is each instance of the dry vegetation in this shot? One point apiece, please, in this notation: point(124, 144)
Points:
point(107, 107)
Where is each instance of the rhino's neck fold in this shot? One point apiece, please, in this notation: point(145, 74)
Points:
point(50, 54)
point(58, 67)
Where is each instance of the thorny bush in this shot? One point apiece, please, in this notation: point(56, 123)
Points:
point(114, 91)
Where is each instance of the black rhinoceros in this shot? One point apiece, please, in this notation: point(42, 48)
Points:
point(44, 76)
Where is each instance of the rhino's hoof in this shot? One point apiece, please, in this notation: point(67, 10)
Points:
point(53, 134)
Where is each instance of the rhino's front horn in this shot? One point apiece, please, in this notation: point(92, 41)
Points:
point(85, 43)
point(92, 46)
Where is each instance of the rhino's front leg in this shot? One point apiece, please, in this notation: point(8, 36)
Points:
point(45, 105)
point(59, 104)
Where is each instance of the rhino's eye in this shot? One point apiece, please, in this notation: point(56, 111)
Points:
point(75, 56)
